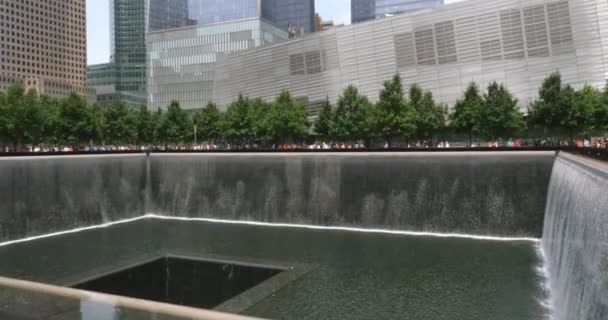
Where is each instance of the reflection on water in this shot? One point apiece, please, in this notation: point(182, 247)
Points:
point(353, 275)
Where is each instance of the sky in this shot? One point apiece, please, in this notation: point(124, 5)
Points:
point(98, 21)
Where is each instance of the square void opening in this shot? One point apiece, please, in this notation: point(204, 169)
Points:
point(192, 283)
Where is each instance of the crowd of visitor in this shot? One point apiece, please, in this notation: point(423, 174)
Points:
point(322, 145)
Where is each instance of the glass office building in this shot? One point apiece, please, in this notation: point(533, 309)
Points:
point(181, 62)
point(300, 13)
point(128, 31)
point(124, 76)
point(363, 10)
point(171, 14)
point(186, 37)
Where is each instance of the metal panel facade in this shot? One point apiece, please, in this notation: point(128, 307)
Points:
point(510, 41)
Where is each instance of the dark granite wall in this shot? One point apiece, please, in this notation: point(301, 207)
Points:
point(48, 194)
point(499, 194)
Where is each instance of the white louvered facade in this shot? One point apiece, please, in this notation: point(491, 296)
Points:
point(514, 42)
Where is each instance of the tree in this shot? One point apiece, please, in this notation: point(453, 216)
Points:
point(157, 122)
point(288, 120)
point(119, 126)
point(466, 115)
point(576, 109)
point(75, 126)
point(546, 110)
point(588, 109)
point(323, 123)
point(351, 119)
point(260, 114)
point(500, 113)
point(144, 125)
point(600, 114)
point(175, 126)
point(237, 122)
point(22, 122)
point(430, 117)
point(207, 123)
point(392, 117)
point(98, 119)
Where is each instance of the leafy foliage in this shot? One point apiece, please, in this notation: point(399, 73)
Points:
point(29, 119)
point(207, 123)
point(76, 125)
point(323, 123)
point(500, 114)
point(120, 124)
point(238, 122)
point(175, 126)
point(430, 117)
point(351, 119)
point(392, 117)
point(466, 116)
point(288, 121)
point(546, 110)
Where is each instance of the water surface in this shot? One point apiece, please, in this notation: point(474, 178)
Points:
point(341, 275)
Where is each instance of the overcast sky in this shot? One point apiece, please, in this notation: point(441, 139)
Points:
point(98, 30)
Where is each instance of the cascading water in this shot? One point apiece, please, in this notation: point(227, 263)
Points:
point(497, 194)
point(575, 239)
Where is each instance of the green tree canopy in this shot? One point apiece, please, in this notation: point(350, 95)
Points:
point(465, 117)
point(75, 126)
point(157, 120)
point(207, 122)
point(50, 113)
point(237, 122)
point(430, 117)
point(392, 117)
point(351, 119)
point(323, 123)
point(175, 126)
point(261, 112)
point(577, 108)
point(288, 121)
point(144, 125)
point(601, 112)
point(500, 114)
point(22, 117)
point(119, 125)
point(98, 119)
point(546, 110)
point(589, 109)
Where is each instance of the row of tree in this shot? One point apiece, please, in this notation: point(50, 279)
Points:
point(492, 114)
point(27, 118)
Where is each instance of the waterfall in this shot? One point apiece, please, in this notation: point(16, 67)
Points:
point(575, 239)
point(490, 194)
point(500, 194)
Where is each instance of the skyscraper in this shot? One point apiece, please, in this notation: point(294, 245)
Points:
point(186, 37)
point(125, 76)
point(170, 14)
point(363, 10)
point(43, 45)
point(283, 13)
